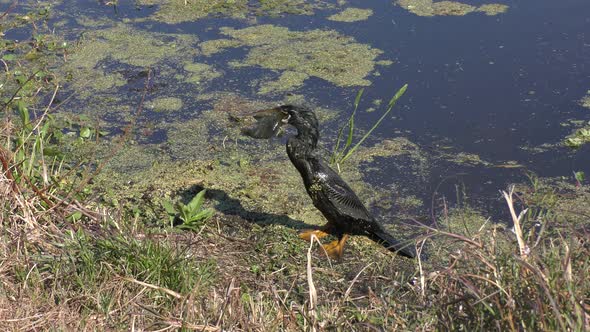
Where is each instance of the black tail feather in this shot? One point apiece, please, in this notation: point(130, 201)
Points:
point(407, 249)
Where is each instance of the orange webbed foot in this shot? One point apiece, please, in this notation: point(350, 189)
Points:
point(306, 234)
point(335, 249)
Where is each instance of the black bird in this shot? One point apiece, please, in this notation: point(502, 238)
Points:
point(330, 194)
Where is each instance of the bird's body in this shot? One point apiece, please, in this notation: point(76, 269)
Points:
point(330, 194)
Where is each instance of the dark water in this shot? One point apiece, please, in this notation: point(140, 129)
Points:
point(486, 85)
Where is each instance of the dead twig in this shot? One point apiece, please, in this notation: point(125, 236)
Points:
point(524, 249)
point(162, 289)
point(313, 295)
point(228, 291)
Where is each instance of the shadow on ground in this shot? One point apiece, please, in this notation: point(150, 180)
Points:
point(230, 206)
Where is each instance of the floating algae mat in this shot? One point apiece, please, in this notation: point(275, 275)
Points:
point(325, 54)
point(178, 11)
point(352, 15)
point(131, 46)
point(97, 64)
point(452, 8)
point(109, 67)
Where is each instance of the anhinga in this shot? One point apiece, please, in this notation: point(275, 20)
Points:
point(330, 194)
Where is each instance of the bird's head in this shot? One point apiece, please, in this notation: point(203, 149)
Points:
point(304, 120)
point(269, 122)
point(300, 117)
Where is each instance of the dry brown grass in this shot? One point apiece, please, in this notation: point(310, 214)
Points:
point(110, 271)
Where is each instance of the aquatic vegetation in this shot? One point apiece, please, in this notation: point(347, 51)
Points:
point(508, 164)
point(210, 47)
point(178, 11)
point(286, 81)
point(581, 135)
point(236, 181)
point(431, 8)
point(92, 22)
point(389, 148)
point(451, 8)
point(351, 15)
point(166, 104)
point(130, 46)
point(118, 46)
point(540, 148)
point(578, 138)
point(199, 73)
point(321, 53)
point(585, 101)
point(294, 7)
point(108, 63)
point(564, 201)
point(126, 45)
point(492, 9)
point(464, 158)
point(409, 202)
point(28, 65)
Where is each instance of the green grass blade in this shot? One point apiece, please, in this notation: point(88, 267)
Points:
point(392, 102)
point(397, 96)
point(350, 131)
point(23, 112)
point(337, 153)
point(357, 100)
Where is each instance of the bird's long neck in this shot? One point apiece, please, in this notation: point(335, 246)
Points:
point(302, 151)
point(309, 136)
point(304, 144)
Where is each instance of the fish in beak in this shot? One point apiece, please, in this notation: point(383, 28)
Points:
point(268, 123)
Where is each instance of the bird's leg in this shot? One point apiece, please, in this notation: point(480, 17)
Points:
point(335, 248)
point(319, 233)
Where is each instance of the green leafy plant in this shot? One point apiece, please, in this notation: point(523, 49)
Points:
point(192, 215)
point(341, 154)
